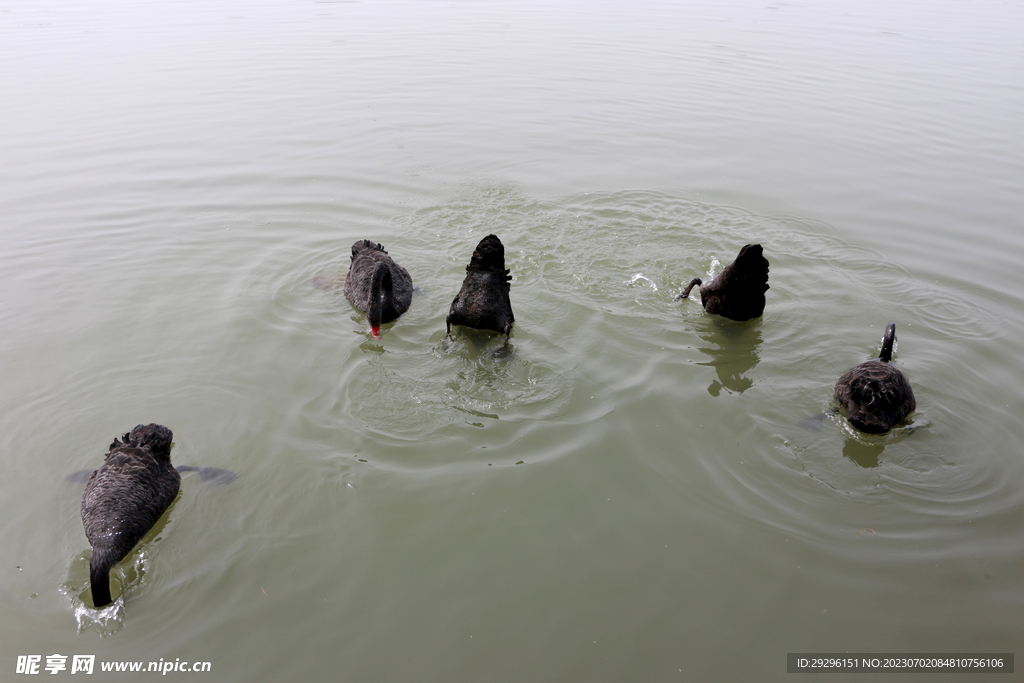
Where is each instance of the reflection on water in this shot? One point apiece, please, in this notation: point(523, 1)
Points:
point(486, 376)
point(471, 344)
point(866, 449)
point(216, 475)
point(733, 348)
point(863, 453)
point(373, 346)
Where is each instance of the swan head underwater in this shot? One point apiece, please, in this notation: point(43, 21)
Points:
point(875, 394)
point(376, 285)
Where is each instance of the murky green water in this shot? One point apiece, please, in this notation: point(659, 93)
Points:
point(635, 492)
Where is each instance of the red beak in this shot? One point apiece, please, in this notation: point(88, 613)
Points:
point(375, 331)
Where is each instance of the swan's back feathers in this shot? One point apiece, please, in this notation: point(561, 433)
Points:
point(738, 291)
point(125, 497)
point(483, 301)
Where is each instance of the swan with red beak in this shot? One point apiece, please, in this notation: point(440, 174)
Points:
point(376, 285)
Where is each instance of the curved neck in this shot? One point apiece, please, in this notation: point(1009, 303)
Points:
point(686, 292)
point(887, 342)
point(380, 289)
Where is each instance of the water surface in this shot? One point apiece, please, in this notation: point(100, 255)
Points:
point(633, 491)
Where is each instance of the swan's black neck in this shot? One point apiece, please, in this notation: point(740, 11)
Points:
point(686, 292)
point(99, 578)
point(380, 288)
point(887, 341)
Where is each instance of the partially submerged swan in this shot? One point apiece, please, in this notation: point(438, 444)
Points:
point(875, 394)
point(738, 291)
point(483, 302)
point(124, 498)
point(376, 285)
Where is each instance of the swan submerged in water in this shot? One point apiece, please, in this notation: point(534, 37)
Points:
point(483, 301)
point(875, 394)
point(124, 498)
point(738, 291)
point(376, 285)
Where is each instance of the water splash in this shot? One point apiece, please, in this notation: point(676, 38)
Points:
point(640, 277)
point(125, 578)
point(106, 621)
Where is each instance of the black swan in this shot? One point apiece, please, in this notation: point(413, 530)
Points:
point(483, 301)
point(875, 394)
point(124, 498)
point(376, 285)
point(738, 291)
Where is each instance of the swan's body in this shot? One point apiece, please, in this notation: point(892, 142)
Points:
point(483, 301)
point(875, 394)
point(376, 285)
point(124, 498)
point(738, 291)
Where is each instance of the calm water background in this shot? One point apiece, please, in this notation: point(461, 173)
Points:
point(635, 493)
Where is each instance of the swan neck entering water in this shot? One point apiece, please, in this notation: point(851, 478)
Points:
point(99, 579)
point(380, 288)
